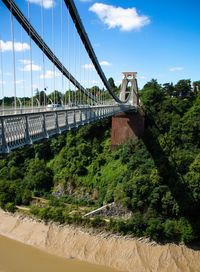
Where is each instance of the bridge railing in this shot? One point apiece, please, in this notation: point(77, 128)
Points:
point(26, 128)
point(4, 111)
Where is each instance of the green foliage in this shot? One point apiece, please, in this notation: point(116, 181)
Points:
point(26, 197)
point(154, 229)
point(152, 96)
point(7, 193)
point(183, 88)
point(10, 207)
point(186, 230)
point(38, 176)
point(157, 177)
point(193, 179)
point(111, 82)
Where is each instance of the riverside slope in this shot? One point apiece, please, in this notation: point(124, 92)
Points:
point(125, 254)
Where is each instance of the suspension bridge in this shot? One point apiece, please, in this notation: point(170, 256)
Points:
point(51, 80)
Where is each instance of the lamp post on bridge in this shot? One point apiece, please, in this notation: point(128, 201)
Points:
point(45, 89)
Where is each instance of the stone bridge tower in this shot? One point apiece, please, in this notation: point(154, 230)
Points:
point(130, 93)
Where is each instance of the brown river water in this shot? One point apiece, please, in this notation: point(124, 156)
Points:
point(18, 257)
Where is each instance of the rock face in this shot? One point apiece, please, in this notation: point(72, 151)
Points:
point(110, 210)
point(117, 252)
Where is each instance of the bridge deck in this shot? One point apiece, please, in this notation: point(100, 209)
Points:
point(18, 130)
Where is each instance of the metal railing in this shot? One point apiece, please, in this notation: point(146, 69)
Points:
point(26, 128)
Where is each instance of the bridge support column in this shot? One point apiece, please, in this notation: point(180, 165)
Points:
point(126, 126)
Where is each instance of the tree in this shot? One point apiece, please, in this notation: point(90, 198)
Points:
point(193, 179)
point(191, 126)
point(154, 229)
point(112, 83)
point(196, 85)
point(41, 97)
point(56, 97)
point(183, 88)
point(26, 197)
point(169, 89)
point(152, 96)
point(152, 85)
point(7, 192)
point(38, 176)
point(95, 90)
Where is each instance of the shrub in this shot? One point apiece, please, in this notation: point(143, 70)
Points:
point(154, 229)
point(10, 207)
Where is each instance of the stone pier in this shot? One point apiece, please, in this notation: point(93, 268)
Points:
point(126, 126)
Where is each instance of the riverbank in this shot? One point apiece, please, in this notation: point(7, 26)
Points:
point(125, 254)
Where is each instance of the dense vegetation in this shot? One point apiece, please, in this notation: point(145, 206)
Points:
point(157, 177)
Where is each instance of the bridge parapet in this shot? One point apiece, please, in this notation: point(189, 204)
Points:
point(18, 130)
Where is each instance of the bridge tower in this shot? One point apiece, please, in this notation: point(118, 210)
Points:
point(129, 93)
point(128, 124)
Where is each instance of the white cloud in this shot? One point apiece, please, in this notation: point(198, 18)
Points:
point(2, 82)
point(19, 82)
point(33, 67)
point(142, 77)
point(175, 69)
point(94, 81)
point(49, 74)
point(44, 3)
point(88, 66)
point(6, 73)
point(105, 63)
point(25, 61)
point(18, 46)
point(125, 19)
point(29, 67)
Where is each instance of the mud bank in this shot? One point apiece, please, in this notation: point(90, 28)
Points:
point(116, 252)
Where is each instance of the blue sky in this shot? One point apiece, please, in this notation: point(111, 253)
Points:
point(166, 48)
point(158, 39)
